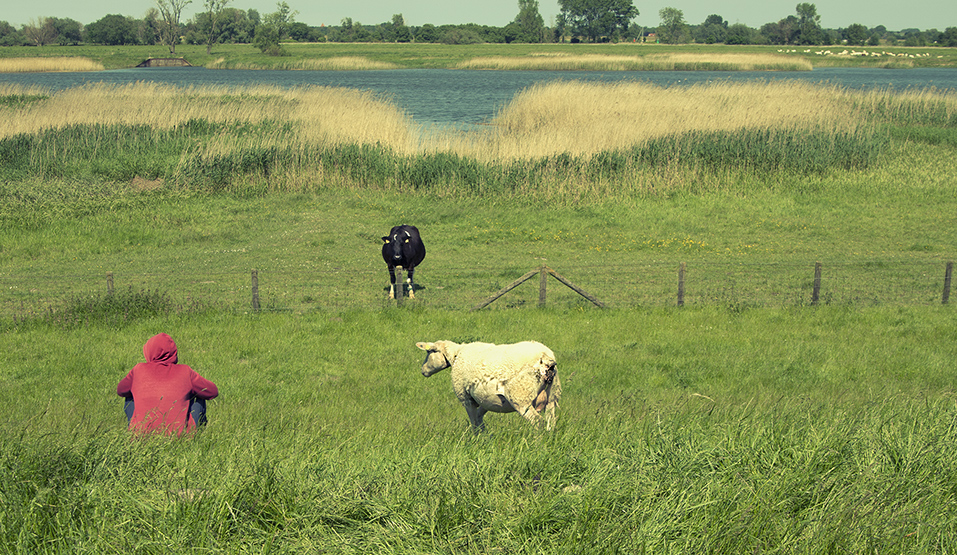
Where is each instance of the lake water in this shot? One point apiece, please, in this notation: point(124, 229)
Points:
point(460, 97)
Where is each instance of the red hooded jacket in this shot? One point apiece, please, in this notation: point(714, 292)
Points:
point(162, 389)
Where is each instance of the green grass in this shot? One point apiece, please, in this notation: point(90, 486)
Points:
point(746, 421)
point(679, 430)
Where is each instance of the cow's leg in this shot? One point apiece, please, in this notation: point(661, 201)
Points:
point(392, 282)
point(411, 287)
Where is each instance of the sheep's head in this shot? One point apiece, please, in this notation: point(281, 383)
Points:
point(436, 358)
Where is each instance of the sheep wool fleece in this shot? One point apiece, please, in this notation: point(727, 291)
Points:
point(162, 389)
point(520, 377)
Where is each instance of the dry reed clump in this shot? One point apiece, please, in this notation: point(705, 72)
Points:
point(40, 65)
point(338, 63)
point(911, 106)
point(317, 115)
point(653, 62)
point(587, 118)
point(726, 62)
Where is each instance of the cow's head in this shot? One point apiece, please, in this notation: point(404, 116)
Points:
point(436, 358)
point(392, 245)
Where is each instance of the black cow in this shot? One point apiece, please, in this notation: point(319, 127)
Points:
point(402, 247)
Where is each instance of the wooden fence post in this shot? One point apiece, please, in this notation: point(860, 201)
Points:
point(948, 273)
point(542, 281)
point(816, 293)
point(399, 285)
point(255, 284)
point(109, 283)
point(681, 284)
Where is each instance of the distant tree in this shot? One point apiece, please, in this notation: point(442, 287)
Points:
point(427, 33)
point(458, 35)
point(713, 30)
point(148, 29)
point(596, 19)
point(361, 33)
point(300, 32)
point(267, 40)
point(782, 32)
point(856, 34)
point(347, 30)
point(68, 31)
point(40, 32)
point(949, 38)
point(531, 26)
point(10, 36)
point(113, 30)
point(739, 33)
point(401, 31)
point(673, 26)
point(212, 27)
point(281, 19)
point(809, 24)
point(170, 13)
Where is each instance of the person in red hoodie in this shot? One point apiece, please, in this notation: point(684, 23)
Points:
point(163, 396)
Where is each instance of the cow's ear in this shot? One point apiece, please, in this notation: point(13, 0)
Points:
point(406, 241)
point(385, 240)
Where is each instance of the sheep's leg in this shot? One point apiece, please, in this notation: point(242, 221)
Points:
point(476, 415)
point(529, 413)
point(549, 415)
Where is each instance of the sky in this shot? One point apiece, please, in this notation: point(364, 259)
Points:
point(920, 14)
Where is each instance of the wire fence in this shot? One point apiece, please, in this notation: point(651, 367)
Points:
point(482, 288)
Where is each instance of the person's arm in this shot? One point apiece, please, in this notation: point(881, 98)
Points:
point(203, 388)
point(125, 387)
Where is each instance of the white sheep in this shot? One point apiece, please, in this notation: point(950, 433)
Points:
point(521, 378)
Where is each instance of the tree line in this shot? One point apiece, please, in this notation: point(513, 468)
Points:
point(578, 21)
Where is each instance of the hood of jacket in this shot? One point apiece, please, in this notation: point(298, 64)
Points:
point(161, 349)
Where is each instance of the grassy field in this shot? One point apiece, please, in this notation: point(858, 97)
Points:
point(746, 421)
point(698, 430)
point(602, 57)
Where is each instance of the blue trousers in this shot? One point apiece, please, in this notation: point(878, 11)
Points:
point(197, 409)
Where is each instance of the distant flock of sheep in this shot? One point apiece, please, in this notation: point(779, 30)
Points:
point(861, 53)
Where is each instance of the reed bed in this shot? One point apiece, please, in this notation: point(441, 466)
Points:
point(928, 106)
point(315, 114)
point(41, 65)
point(583, 118)
point(576, 136)
point(335, 63)
point(558, 61)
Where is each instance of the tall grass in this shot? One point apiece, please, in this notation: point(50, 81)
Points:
point(332, 63)
point(565, 137)
point(40, 65)
point(682, 431)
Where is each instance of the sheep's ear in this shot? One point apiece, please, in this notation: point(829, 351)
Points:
point(425, 346)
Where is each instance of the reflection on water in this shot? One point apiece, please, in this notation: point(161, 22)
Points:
point(466, 98)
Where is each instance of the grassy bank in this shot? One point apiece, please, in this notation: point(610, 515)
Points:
point(603, 57)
